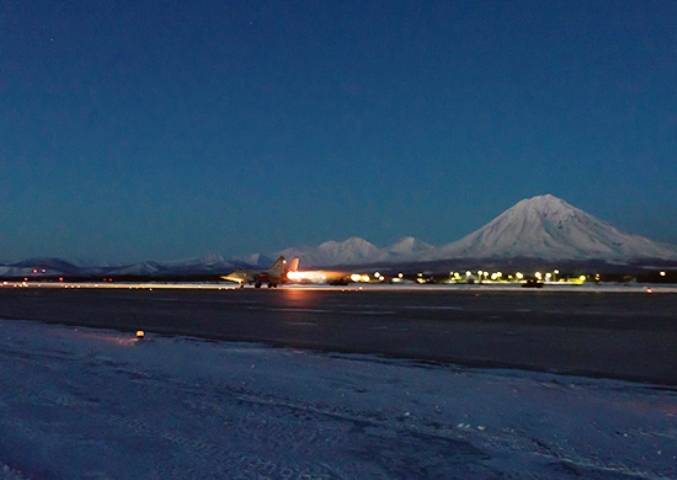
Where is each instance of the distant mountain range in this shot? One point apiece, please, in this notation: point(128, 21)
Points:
point(51, 267)
point(542, 228)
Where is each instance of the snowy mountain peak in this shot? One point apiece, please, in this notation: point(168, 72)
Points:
point(350, 251)
point(543, 203)
point(409, 247)
point(548, 227)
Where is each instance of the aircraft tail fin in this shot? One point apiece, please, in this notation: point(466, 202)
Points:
point(279, 267)
point(294, 264)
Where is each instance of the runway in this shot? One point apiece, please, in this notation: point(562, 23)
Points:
point(629, 336)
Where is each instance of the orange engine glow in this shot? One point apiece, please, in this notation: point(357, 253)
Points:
point(313, 276)
point(294, 275)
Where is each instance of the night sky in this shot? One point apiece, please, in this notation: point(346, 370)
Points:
point(136, 130)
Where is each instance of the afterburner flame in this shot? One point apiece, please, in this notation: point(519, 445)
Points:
point(307, 276)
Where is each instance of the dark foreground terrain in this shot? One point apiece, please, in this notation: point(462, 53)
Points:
point(630, 336)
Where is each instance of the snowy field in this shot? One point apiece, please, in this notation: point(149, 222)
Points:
point(86, 403)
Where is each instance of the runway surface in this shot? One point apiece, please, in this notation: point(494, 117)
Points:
point(629, 336)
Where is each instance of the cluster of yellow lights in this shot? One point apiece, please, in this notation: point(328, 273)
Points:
point(484, 276)
point(360, 278)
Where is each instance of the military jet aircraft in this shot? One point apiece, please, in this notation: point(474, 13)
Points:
point(274, 276)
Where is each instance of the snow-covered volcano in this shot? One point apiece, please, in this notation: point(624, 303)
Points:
point(547, 227)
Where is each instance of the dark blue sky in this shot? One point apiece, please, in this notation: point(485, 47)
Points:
point(148, 129)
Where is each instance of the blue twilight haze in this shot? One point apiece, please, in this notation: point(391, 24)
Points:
point(135, 130)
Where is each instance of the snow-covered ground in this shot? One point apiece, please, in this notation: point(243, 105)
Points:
point(85, 403)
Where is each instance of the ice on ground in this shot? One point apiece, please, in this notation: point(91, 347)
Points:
point(85, 403)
